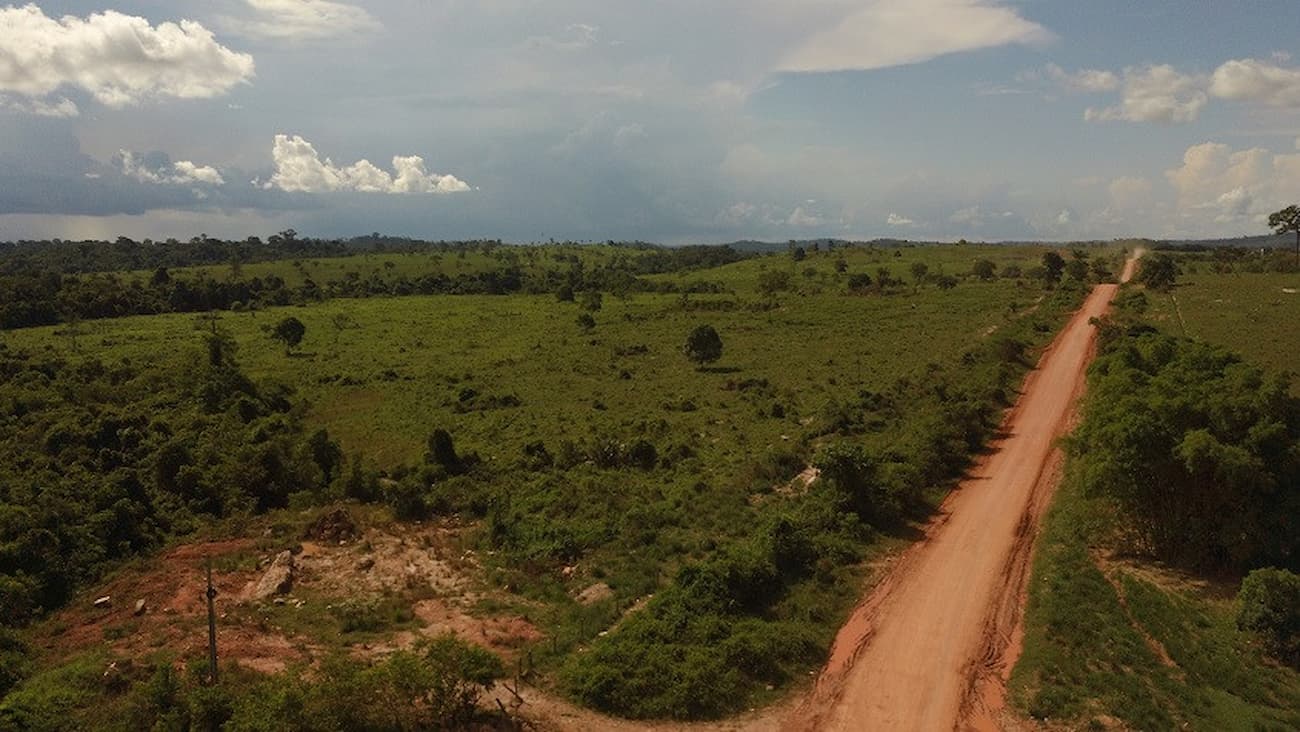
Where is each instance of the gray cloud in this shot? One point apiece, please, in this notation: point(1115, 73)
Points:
point(301, 20)
point(884, 33)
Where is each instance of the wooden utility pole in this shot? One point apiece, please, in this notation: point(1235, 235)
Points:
point(212, 627)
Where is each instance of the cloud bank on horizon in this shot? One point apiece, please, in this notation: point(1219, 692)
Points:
point(677, 122)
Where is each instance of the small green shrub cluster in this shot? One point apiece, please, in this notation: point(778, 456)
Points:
point(702, 645)
point(435, 685)
point(1270, 607)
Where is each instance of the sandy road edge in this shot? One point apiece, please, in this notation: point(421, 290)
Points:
point(985, 699)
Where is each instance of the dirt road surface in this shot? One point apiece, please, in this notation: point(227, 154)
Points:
point(930, 648)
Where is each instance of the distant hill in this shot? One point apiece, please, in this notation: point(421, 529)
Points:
point(752, 245)
point(1267, 241)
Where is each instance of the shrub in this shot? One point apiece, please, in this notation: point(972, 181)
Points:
point(442, 451)
point(703, 345)
point(407, 498)
point(852, 472)
point(1269, 606)
point(859, 282)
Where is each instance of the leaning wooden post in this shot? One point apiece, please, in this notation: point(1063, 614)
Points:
point(212, 627)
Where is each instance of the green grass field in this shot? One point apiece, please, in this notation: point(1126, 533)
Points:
point(909, 373)
point(1155, 648)
point(1254, 314)
point(383, 384)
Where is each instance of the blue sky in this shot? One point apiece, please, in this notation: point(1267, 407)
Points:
point(674, 121)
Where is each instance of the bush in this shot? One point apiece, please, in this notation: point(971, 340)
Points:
point(14, 663)
point(852, 472)
point(703, 345)
point(407, 498)
point(435, 686)
point(442, 451)
point(1197, 448)
point(1269, 606)
point(859, 282)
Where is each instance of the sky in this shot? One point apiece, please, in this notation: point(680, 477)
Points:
point(675, 121)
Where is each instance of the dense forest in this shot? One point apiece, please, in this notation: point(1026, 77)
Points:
point(45, 283)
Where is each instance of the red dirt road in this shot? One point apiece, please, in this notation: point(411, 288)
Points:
point(928, 648)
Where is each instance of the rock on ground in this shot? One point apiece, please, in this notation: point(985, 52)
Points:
point(278, 579)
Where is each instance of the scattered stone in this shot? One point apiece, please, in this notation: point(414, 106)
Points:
point(366, 564)
point(594, 594)
point(115, 678)
point(278, 579)
point(103, 602)
point(569, 571)
point(140, 606)
point(279, 601)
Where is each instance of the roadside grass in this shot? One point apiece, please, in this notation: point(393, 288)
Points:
point(1088, 651)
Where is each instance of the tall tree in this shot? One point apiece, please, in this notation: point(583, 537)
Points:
point(1287, 221)
point(1053, 266)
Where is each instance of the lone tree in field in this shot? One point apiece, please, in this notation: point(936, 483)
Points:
point(1159, 272)
point(1053, 266)
point(703, 345)
point(1287, 221)
point(289, 332)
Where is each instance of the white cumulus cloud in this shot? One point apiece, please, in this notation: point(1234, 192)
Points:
point(302, 20)
point(1257, 81)
point(1155, 94)
point(299, 168)
point(1084, 80)
point(160, 170)
point(896, 220)
point(1234, 184)
point(888, 33)
point(119, 59)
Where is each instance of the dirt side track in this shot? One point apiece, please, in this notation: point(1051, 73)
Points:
point(931, 646)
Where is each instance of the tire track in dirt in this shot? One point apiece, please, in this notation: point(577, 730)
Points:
point(931, 647)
